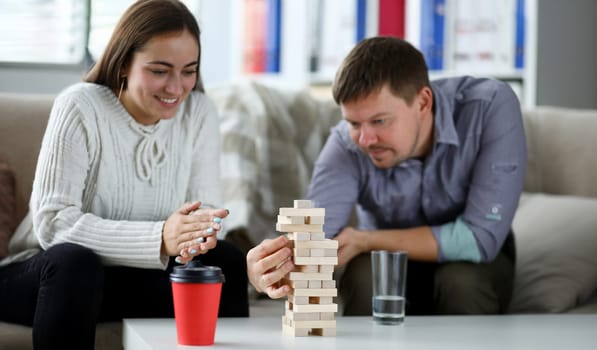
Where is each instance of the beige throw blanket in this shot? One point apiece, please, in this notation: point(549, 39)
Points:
point(270, 141)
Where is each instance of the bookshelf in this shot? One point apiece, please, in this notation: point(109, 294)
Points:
point(490, 39)
point(304, 29)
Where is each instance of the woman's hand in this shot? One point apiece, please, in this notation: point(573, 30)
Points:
point(267, 265)
point(191, 231)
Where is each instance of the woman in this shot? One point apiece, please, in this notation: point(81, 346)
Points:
point(125, 160)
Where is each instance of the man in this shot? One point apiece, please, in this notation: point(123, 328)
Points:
point(434, 169)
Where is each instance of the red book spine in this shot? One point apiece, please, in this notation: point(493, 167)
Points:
point(391, 18)
point(255, 27)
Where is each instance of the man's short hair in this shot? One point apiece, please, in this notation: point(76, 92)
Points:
point(377, 61)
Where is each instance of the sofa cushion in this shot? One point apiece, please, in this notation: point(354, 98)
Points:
point(556, 243)
point(24, 120)
point(7, 207)
point(560, 146)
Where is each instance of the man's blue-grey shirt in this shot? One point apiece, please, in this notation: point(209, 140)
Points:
point(467, 189)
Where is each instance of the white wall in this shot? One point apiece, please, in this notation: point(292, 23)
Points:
point(567, 53)
point(43, 78)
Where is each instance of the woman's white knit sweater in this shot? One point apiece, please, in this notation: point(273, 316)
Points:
point(108, 183)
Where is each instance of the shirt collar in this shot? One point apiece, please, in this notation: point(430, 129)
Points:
point(445, 131)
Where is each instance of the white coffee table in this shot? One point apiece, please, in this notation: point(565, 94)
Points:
point(559, 332)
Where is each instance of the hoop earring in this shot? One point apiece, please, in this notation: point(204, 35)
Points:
point(120, 91)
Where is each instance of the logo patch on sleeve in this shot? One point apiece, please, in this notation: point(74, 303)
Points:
point(495, 213)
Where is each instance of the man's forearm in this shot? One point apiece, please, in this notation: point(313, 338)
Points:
point(419, 242)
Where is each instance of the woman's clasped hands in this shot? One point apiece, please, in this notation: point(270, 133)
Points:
point(191, 231)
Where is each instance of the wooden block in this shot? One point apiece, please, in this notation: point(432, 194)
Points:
point(305, 316)
point(298, 300)
point(327, 284)
point(302, 252)
point(303, 203)
point(326, 315)
point(299, 237)
point(299, 284)
point(329, 260)
point(325, 244)
point(329, 252)
point(324, 332)
point(308, 268)
point(295, 220)
point(320, 292)
point(302, 328)
point(326, 268)
point(318, 236)
point(314, 220)
point(302, 211)
point(304, 276)
point(315, 308)
point(295, 332)
point(314, 284)
point(314, 324)
point(309, 308)
point(316, 252)
point(299, 228)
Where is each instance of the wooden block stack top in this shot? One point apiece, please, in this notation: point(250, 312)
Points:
point(310, 309)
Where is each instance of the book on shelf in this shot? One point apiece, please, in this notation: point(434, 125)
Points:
point(480, 36)
point(261, 36)
point(272, 36)
point(391, 17)
point(315, 25)
point(438, 17)
point(254, 36)
point(505, 36)
point(432, 33)
point(343, 23)
point(372, 9)
point(361, 20)
point(296, 45)
point(338, 35)
point(305, 41)
point(378, 17)
point(520, 34)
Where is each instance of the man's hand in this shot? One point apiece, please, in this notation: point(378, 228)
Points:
point(267, 265)
point(351, 242)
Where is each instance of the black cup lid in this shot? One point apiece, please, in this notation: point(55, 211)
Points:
point(195, 272)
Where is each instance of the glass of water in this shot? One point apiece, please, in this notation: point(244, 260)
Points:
point(388, 270)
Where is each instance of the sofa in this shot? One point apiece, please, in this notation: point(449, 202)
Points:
point(270, 139)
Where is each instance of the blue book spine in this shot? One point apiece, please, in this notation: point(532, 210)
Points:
point(361, 20)
point(427, 36)
point(520, 34)
point(439, 11)
point(272, 36)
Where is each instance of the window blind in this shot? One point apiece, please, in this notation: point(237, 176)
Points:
point(48, 31)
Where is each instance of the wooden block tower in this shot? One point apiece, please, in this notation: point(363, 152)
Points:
point(310, 309)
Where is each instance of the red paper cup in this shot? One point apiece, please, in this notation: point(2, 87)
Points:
point(196, 290)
